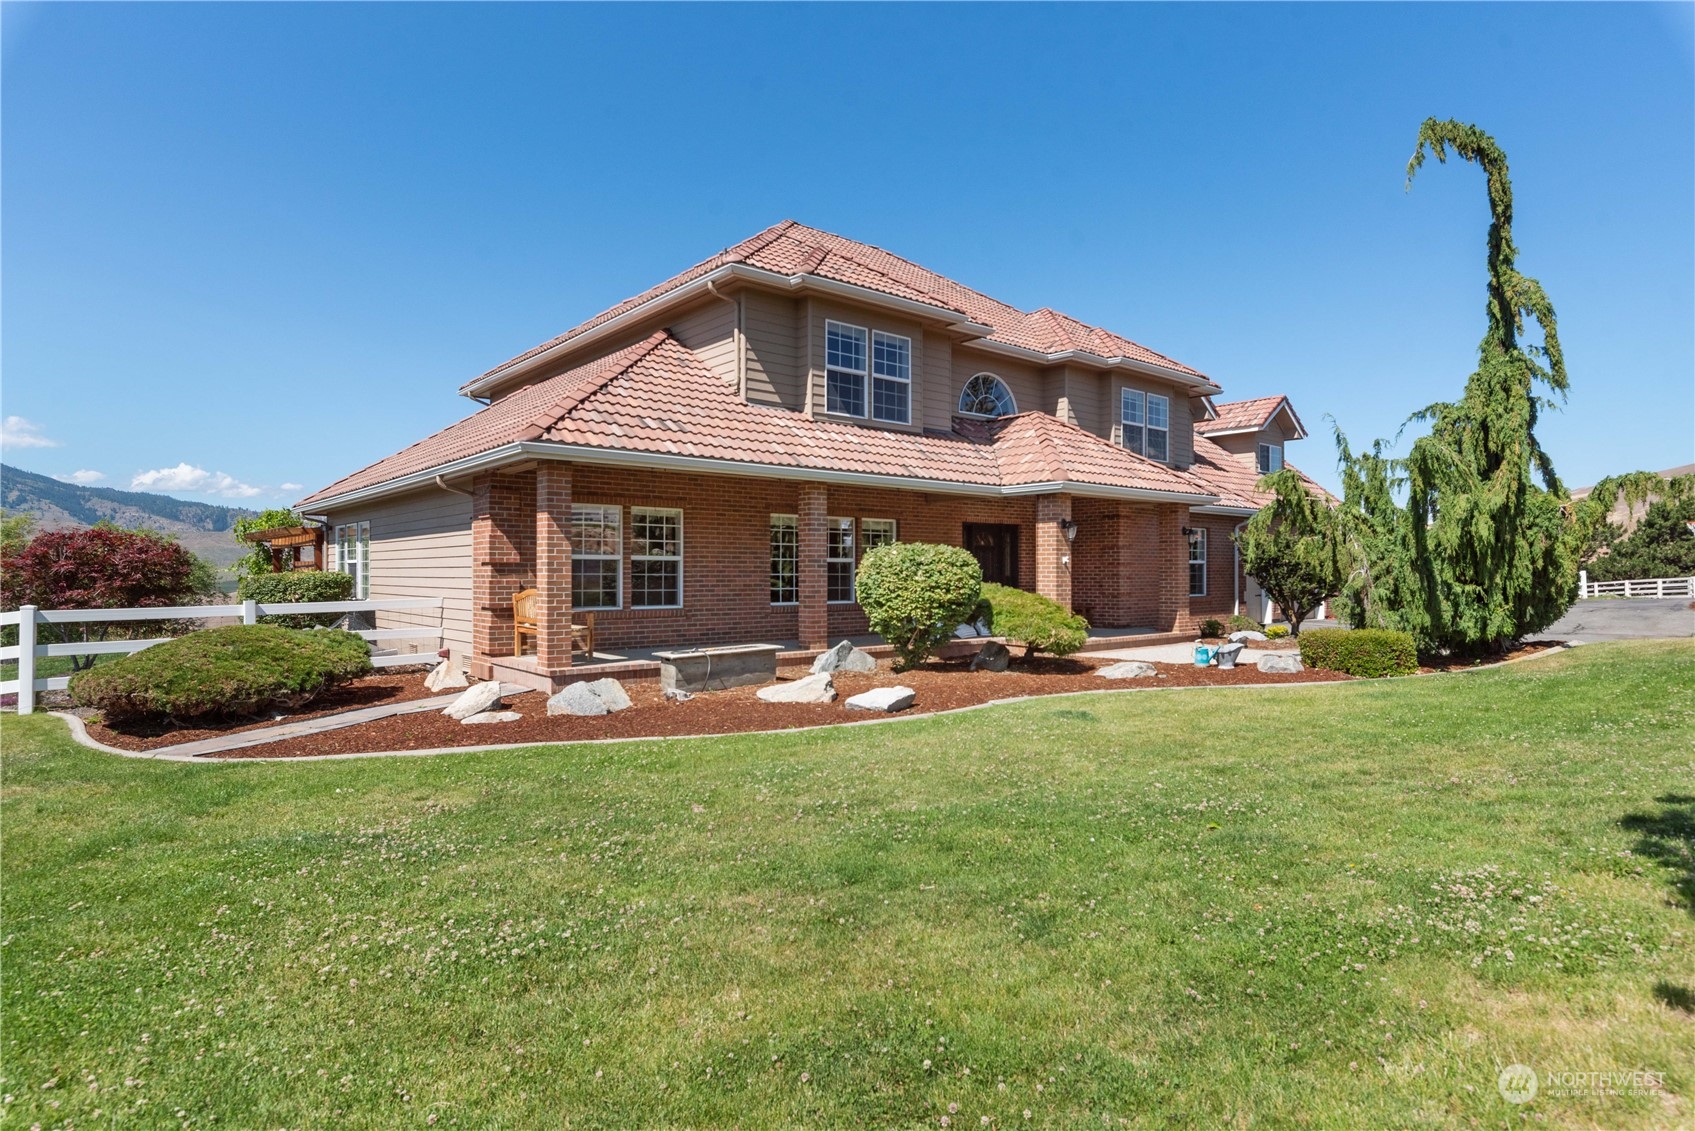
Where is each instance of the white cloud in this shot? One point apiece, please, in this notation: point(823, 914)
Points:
point(195, 480)
point(16, 432)
point(292, 487)
point(82, 478)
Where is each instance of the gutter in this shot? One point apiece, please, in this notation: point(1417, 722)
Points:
point(540, 449)
point(1085, 358)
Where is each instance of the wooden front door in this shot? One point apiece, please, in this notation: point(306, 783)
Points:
point(995, 546)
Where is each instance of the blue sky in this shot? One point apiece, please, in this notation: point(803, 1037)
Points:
point(252, 246)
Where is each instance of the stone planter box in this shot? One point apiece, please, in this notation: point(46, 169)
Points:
point(714, 669)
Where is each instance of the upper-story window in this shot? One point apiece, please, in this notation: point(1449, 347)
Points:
point(844, 369)
point(1270, 458)
point(891, 378)
point(986, 395)
point(1146, 420)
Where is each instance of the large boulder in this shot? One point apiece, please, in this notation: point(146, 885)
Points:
point(446, 676)
point(577, 699)
point(1285, 663)
point(1129, 669)
point(476, 699)
point(491, 717)
point(991, 657)
point(885, 699)
point(844, 657)
point(1238, 637)
point(610, 692)
point(817, 688)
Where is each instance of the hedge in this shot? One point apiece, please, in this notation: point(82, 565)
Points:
point(1368, 652)
point(226, 673)
point(297, 586)
point(1036, 622)
point(914, 594)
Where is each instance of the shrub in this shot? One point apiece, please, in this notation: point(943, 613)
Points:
point(1240, 623)
point(1368, 652)
point(1033, 620)
point(1276, 631)
point(222, 673)
point(915, 594)
point(1212, 627)
point(298, 585)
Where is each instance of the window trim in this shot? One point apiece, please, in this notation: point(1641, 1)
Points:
point(1198, 541)
point(863, 374)
point(578, 555)
point(997, 379)
point(678, 557)
point(1262, 458)
point(362, 546)
point(905, 382)
point(1144, 428)
point(1146, 444)
point(791, 521)
point(852, 558)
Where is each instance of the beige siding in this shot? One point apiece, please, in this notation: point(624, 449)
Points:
point(819, 311)
point(710, 330)
point(771, 328)
point(421, 547)
point(941, 396)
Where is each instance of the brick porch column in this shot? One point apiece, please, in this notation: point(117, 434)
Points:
point(501, 536)
point(811, 572)
point(553, 566)
point(1171, 568)
point(1053, 575)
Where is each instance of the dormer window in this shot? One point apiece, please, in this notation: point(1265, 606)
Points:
point(847, 375)
point(1146, 422)
point(1270, 458)
point(891, 378)
point(986, 395)
point(844, 369)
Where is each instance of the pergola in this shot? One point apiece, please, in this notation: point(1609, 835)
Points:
point(286, 544)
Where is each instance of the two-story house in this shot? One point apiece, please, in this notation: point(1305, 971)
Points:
point(706, 462)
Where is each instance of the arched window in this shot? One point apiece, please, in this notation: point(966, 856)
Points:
point(986, 395)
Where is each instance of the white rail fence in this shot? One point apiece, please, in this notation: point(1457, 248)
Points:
point(29, 619)
point(1642, 587)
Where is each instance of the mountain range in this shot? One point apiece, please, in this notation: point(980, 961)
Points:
point(201, 527)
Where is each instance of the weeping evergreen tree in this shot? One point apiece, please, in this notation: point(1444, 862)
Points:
point(1486, 547)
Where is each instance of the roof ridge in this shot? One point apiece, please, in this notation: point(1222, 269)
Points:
point(580, 392)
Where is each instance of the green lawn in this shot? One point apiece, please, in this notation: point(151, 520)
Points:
point(1341, 906)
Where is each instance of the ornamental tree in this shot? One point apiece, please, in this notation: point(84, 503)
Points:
point(1293, 546)
point(915, 594)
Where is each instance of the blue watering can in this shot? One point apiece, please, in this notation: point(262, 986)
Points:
point(1204, 654)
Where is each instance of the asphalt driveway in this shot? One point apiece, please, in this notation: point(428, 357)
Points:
point(1636, 618)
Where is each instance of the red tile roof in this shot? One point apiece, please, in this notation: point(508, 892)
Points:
point(791, 249)
point(1242, 416)
point(657, 397)
point(1234, 478)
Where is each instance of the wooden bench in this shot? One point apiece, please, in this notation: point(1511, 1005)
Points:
point(524, 624)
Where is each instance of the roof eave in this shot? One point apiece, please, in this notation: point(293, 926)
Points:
point(1205, 384)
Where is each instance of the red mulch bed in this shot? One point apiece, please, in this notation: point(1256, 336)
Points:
point(389, 686)
point(940, 686)
point(1517, 652)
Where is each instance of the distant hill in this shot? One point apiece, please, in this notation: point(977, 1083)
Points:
point(202, 527)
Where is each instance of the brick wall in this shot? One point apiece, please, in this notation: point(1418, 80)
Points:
point(1220, 597)
point(1130, 564)
point(503, 546)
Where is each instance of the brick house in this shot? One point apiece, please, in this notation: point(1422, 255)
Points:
point(704, 464)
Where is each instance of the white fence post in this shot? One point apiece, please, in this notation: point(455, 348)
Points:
point(26, 660)
point(250, 612)
point(1582, 584)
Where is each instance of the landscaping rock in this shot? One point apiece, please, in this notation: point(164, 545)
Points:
point(991, 657)
point(818, 688)
point(678, 695)
point(492, 717)
point(447, 676)
point(844, 657)
point(1228, 653)
point(972, 630)
point(1284, 662)
point(1129, 669)
point(885, 699)
point(610, 692)
point(577, 699)
point(1238, 637)
point(478, 698)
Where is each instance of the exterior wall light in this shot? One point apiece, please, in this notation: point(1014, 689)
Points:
point(1068, 528)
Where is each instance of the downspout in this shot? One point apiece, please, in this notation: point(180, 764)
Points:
point(741, 340)
point(1236, 574)
point(442, 483)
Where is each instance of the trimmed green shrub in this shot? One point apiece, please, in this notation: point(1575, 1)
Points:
point(915, 594)
point(1276, 631)
point(1240, 623)
point(222, 673)
point(297, 586)
point(1368, 652)
point(1212, 627)
point(1033, 620)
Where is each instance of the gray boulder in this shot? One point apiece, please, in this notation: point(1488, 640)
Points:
point(971, 630)
point(884, 699)
point(844, 657)
point(446, 676)
point(492, 717)
point(1129, 669)
point(1284, 662)
point(991, 657)
point(816, 688)
point(1238, 637)
point(577, 699)
point(476, 699)
point(678, 695)
point(610, 692)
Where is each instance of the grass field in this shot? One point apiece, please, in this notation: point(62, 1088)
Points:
point(1342, 906)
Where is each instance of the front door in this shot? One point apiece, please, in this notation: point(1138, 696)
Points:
point(995, 546)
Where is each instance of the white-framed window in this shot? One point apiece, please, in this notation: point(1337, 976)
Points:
point(597, 556)
point(891, 378)
point(1270, 458)
point(986, 395)
point(1198, 562)
point(838, 560)
point(353, 556)
point(844, 369)
point(656, 558)
point(874, 532)
point(1145, 419)
point(785, 559)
